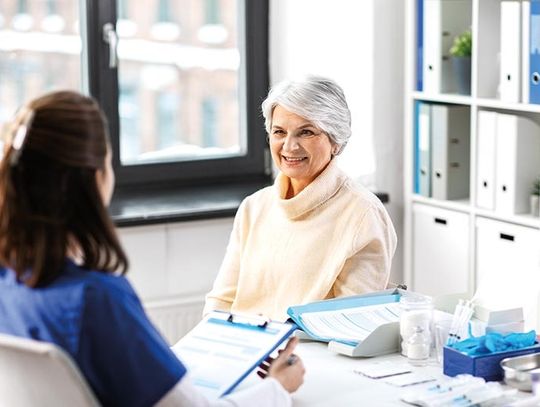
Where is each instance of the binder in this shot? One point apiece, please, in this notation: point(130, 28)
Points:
point(510, 72)
point(443, 21)
point(525, 47)
point(419, 43)
point(450, 134)
point(534, 52)
point(487, 144)
point(423, 151)
point(349, 328)
point(517, 158)
point(224, 348)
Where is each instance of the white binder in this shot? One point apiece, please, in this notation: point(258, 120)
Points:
point(443, 20)
point(424, 149)
point(517, 162)
point(511, 40)
point(485, 177)
point(450, 133)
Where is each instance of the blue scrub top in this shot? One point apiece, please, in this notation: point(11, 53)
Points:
point(99, 320)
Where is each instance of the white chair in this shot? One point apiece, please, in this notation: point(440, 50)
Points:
point(34, 373)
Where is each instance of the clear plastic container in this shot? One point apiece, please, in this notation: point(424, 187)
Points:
point(418, 346)
point(416, 311)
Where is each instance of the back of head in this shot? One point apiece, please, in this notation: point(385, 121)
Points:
point(49, 198)
point(317, 99)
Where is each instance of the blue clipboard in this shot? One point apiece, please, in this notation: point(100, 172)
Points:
point(223, 349)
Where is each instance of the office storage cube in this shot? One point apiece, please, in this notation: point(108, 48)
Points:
point(440, 250)
point(508, 266)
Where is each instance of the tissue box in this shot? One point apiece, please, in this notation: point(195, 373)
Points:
point(486, 366)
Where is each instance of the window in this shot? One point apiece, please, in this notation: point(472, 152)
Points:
point(40, 50)
point(183, 99)
point(178, 69)
point(209, 123)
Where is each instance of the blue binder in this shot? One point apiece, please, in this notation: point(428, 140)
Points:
point(422, 149)
point(419, 44)
point(534, 53)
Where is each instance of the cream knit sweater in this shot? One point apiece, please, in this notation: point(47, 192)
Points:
point(332, 239)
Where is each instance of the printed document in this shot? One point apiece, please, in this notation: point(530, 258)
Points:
point(350, 324)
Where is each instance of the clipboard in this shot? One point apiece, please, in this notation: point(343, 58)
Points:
point(224, 348)
point(373, 339)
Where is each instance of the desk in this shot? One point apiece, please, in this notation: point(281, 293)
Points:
point(330, 380)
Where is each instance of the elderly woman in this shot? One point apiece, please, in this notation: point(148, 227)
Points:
point(315, 234)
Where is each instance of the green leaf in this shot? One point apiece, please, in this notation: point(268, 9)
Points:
point(462, 46)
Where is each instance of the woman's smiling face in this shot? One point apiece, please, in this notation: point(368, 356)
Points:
point(299, 149)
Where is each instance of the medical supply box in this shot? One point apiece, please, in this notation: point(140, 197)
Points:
point(485, 366)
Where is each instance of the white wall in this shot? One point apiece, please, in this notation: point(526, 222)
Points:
point(175, 260)
point(360, 45)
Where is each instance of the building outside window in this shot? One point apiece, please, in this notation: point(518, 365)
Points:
point(174, 59)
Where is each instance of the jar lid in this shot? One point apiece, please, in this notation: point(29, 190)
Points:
point(416, 301)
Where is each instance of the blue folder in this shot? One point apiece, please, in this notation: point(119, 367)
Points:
point(534, 53)
point(381, 340)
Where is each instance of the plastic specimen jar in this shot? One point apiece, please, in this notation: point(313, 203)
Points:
point(416, 311)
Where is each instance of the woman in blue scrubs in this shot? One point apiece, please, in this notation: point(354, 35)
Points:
point(62, 264)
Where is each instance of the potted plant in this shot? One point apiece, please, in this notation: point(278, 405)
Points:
point(535, 197)
point(461, 61)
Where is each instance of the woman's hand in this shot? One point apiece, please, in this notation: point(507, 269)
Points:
point(287, 368)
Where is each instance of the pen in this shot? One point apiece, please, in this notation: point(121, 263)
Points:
point(291, 360)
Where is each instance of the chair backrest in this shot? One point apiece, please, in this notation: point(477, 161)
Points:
point(34, 373)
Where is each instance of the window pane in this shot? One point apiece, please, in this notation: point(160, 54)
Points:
point(180, 64)
point(40, 50)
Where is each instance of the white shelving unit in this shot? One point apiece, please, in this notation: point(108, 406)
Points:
point(485, 17)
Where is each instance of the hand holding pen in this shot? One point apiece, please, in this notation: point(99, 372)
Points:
point(287, 368)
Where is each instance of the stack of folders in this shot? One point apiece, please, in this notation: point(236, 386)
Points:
point(519, 79)
point(442, 150)
point(439, 22)
point(508, 157)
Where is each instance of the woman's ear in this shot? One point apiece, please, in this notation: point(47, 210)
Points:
point(105, 179)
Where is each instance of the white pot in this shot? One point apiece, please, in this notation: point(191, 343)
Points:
point(535, 205)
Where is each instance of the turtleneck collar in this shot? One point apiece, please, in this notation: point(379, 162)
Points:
point(316, 193)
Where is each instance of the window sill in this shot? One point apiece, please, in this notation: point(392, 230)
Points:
point(147, 206)
point(154, 205)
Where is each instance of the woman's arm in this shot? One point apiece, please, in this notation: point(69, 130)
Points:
point(368, 269)
point(283, 377)
point(267, 393)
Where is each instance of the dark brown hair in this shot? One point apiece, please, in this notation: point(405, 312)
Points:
point(49, 197)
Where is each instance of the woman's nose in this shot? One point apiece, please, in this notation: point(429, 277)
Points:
point(290, 143)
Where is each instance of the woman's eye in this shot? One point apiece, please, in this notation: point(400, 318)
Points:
point(306, 133)
point(278, 132)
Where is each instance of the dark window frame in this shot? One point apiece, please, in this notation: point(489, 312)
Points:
point(103, 85)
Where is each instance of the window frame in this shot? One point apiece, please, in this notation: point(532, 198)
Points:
point(103, 85)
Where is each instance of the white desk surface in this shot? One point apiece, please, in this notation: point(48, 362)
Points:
point(330, 379)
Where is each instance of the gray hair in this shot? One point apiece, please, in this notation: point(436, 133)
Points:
point(317, 99)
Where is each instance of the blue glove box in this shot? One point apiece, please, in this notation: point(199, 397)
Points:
point(486, 366)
